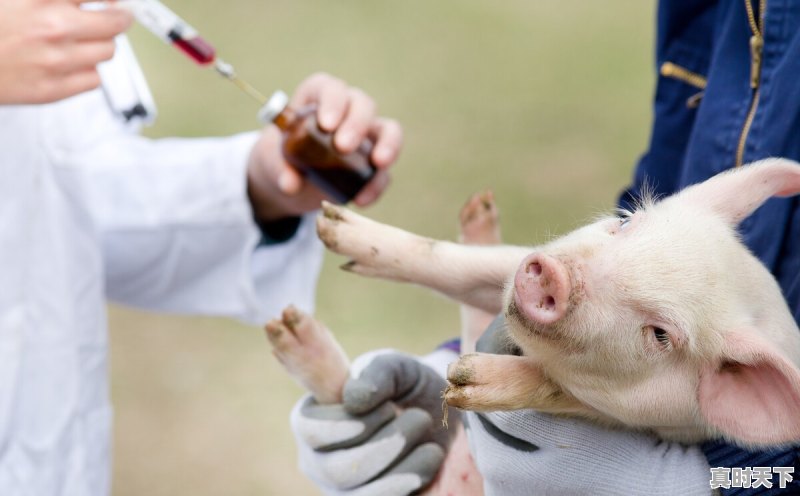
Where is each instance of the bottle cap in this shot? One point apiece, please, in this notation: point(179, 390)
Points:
point(274, 106)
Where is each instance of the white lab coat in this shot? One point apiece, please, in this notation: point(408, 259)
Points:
point(90, 210)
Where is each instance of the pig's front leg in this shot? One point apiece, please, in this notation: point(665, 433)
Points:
point(313, 357)
point(474, 275)
point(487, 382)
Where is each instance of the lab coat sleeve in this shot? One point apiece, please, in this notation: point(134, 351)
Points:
point(177, 231)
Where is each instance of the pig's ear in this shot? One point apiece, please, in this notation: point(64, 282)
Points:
point(737, 193)
point(753, 394)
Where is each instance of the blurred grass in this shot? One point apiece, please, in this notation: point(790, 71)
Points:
point(547, 103)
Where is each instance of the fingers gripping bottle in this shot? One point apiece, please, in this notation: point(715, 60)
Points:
point(311, 151)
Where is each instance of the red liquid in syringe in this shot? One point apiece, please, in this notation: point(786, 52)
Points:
point(196, 48)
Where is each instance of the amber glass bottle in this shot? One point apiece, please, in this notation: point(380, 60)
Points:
point(310, 150)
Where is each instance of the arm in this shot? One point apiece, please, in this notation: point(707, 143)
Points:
point(177, 229)
point(176, 216)
point(518, 450)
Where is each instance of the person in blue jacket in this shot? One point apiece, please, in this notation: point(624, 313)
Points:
point(728, 93)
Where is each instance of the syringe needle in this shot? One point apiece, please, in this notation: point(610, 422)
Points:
point(170, 28)
point(226, 70)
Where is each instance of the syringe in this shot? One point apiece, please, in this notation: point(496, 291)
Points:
point(166, 25)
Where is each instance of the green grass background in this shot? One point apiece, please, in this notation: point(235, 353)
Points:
point(546, 102)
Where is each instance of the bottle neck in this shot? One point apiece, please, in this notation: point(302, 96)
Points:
point(285, 118)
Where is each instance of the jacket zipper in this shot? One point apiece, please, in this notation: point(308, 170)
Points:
point(756, 51)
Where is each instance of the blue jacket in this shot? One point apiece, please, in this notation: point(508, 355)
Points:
point(709, 117)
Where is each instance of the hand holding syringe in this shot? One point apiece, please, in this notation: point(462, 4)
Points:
point(305, 144)
point(171, 29)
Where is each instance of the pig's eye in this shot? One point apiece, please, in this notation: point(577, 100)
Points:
point(662, 341)
point(623, 222)
point(661, 336)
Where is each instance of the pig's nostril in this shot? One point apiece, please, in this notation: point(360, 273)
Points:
point(535, 267)
point(542, 289)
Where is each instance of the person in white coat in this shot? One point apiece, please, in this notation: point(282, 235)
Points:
point(90, 210)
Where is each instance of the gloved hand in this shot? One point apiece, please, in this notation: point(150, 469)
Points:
point(526, 452)
point(386, 438)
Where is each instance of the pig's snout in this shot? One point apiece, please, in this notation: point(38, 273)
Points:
point(542, 289)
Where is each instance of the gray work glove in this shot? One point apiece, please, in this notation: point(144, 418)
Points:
point(527, 453)
point(386, 438)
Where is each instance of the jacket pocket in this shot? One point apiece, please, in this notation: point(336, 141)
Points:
point(674, 71)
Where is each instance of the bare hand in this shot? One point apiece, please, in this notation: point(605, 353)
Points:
point(278, 190)
point(49, 49)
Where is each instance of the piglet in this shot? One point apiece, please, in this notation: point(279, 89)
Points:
point(658, 320)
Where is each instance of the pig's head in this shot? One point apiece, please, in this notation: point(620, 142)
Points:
point(663, 320)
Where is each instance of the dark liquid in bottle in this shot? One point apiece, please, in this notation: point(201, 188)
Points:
point(311, 151)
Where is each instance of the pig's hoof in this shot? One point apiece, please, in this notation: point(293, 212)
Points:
point(332, 212)
point(374, 249)
point(327, 224)
point(455, 396)
point(462, 371)
point(310, 353)
point(467, 388)
point(343, 231)
point(480, 220)
point(460, 375)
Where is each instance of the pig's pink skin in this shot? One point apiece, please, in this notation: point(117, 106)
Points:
point(459, 475)
point(542, 289)
point(672, 325)
point(752, 393)
point(678, 328)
